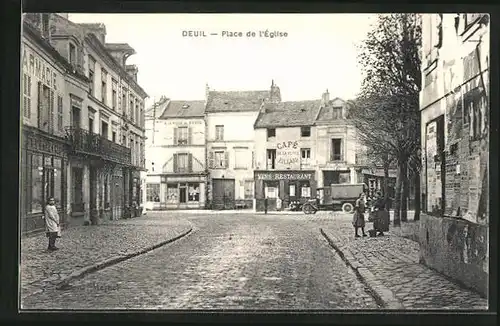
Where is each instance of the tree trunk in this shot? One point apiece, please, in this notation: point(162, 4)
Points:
point(386, 186)
point(405, 189)
point(416, 217)
point(397, 197)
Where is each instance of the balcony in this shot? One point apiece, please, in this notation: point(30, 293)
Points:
point(85, 142)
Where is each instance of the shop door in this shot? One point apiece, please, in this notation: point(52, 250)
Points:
point(223, 193)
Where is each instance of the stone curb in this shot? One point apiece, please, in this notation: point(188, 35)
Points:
point(383, 295)
point(114, 260)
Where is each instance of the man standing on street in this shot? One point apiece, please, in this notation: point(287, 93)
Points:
point(52, 224)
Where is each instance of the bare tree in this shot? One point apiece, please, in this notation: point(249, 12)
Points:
point(387, 109)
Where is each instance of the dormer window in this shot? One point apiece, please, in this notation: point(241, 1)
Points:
point(72, 54)
point(337, 112)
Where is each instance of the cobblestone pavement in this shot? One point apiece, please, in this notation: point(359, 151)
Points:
point(393, 261)
point(239, 261)
point(86, 245)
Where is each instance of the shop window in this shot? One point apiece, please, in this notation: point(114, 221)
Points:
point(292, 190)
point(172, 193)
point(336, 150)
point(305, 189)
point(36, 184)
point(271, 159)
point(271, 133)
point(194, 192)
point(249, 189)
point(153, 192)
point(219, 132)
point(58, 182)
point(305, 131)
point(271, 190)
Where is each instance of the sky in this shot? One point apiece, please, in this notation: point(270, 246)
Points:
point(318, 53)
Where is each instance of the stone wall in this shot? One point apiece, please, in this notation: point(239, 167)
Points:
point(456, 248)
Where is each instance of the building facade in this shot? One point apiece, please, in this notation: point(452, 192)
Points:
point(454, 104)
point(177, 170)
point(336, 144)
point(47, 78)
point(285, 154)
point(230, 118)
point(103, 135)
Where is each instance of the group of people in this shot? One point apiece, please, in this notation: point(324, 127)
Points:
point(378, 215)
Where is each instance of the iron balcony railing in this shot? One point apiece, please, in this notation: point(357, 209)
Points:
point(86, 142)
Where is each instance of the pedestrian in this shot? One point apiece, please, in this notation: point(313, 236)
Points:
point(358, 220)
point(380, 216)
point(52, 228)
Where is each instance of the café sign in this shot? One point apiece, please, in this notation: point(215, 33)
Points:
point(288, 155)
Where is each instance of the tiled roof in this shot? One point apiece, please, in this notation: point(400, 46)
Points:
point(235, 101)
point(179, 109)
point(288, 114)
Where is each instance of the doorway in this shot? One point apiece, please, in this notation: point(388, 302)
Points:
point(223, 193)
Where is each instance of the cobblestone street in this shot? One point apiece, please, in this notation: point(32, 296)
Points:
point(229, 261)
point(245, 261)
point(394, 262)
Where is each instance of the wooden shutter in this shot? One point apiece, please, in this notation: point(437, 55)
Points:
point(175, 163)
point(190, 162)
point(175, 136)
point(211, 160)
point(51, 111)
point(226, 160)
point(39, 106)
point(190, 135)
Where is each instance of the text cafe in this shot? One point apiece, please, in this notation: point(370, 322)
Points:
point(282, 187)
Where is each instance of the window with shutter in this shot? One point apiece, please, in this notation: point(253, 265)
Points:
point(190, 162)
point(175, 163)
point(175, 136)
point(226, 160)
point(211, 160)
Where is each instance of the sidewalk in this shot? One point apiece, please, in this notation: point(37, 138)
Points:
point(87, 248)
point(390, 267)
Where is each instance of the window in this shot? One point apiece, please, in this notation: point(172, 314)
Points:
point(305, 156)
point(72, 54)
point(172, 193)
point(91, 124)
point(337, 112)
point(32, 64)
point(182, 135)
point(58, 186)
point(193, 192)
point(124, 140)
point(344, 177)
point(336, 151)
point(220, 161)
point(114, 95)
point(27, 95)
point(113, 136)
point(104, 85)
point(45, 108)
point(104, 129)
point(305, 189)
point(153, 192)
point(131, 108)
point(305, 131)
point(59, 113)
point(271, 189)
point(137, 121)
point(271, 132)
point(271, 159)
point(54, 77)
point(124, 101)
point(241, 158)
point(292, 190)
point(219, 132)
point(182, 163)
point(91, 77)
point(248, 189)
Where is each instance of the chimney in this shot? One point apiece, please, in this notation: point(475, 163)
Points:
point(275, 93)
point(99, 30)
point(207, 90)
point(325, 98)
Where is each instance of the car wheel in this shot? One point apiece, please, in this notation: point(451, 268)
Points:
point(347, 208)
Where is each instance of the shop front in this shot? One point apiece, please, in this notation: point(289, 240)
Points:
point(43, 167)
point(282, 187)
point(176, 192)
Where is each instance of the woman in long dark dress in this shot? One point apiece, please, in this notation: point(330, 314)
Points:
point(380, 216)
